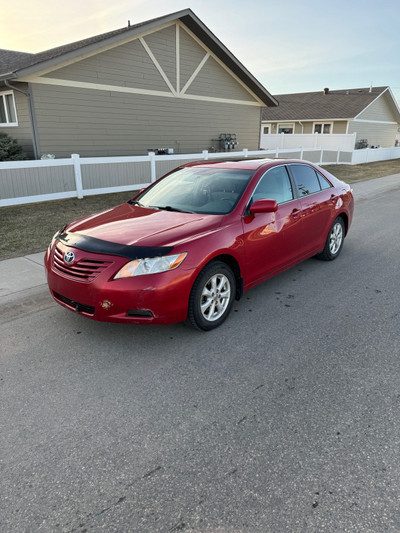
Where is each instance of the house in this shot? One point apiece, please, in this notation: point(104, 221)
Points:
point(165, 83)
point(372, 114)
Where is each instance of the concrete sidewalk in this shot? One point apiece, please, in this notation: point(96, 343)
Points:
point(24, 276)
point(21, 275)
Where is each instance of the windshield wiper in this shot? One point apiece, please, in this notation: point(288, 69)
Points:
point(135, 202)
point(169, 208)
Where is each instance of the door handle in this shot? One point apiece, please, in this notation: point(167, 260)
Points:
point(295, 213)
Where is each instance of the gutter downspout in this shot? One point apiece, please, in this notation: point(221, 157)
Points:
point(28, 94)
point(302, 127)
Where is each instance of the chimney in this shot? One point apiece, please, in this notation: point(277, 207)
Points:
point(326, 90)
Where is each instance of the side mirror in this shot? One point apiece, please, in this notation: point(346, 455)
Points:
point(264, 206)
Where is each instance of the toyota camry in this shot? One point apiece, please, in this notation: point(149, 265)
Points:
point(195, 240)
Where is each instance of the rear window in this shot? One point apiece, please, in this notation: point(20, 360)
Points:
point(306, 179)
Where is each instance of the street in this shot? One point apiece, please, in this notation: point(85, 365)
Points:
point(284, 419)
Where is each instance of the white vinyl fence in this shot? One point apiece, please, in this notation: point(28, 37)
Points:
point(335, 141)
point(23, 182)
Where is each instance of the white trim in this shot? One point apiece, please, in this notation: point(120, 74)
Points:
point(199, 42)
point(8, 123)
point(266, 125)
point(221, 100)
point(308, 120)
point(323, 124)
point(370, 104)
point(157, 65)
point(35, 78)
point(394, 100)
point(37, 198)
point(373, 121)
point(92, 53)
point(100, 87)
point(131, 90)
point(178, 58)
point(286, 124)
point(194, 75)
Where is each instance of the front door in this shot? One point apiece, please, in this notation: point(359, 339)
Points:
point(272, 240)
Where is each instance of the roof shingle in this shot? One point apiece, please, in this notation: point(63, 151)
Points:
point(346, 103)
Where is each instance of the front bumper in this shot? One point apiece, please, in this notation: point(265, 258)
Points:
point(151, 299)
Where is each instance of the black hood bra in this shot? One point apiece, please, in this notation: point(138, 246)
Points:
point(98, 246)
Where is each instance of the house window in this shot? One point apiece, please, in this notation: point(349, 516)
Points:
point(8, 113)
point(267, 129)
point(323, 127)
point(285, 128)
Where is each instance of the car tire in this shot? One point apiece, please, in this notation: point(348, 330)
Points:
point(334, 241)
point(212, 296)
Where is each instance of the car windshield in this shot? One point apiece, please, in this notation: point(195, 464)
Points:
point(214, 191)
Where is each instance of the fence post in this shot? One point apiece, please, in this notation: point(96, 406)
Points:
point(152, 156)
point(322, 156)
point(301, 152)
point(245, 152)
point(205, 155)
point(277, 152)
point(338, 156)
point(78, 175)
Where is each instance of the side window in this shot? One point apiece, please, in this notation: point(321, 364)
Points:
point(306, 179)
point(8, 115)
point(274, 185)
point(323, 182)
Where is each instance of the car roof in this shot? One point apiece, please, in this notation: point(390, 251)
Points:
point(245, 164)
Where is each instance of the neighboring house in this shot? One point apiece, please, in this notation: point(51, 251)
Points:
point(164, 83)
point(371, 113)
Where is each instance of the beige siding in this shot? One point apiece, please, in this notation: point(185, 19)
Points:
point(381, 109)
point(94, 123)
point(375, 133)
point(214, 80)
point(22, 132)
point(191, 55)
point(128, 65)
point(163, 45)
point(340, 126)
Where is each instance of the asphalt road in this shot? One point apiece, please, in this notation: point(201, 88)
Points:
point(285, 419)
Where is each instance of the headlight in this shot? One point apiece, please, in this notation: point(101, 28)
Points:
point(153, 265)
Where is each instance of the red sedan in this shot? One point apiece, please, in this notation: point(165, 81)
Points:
point(192, 242)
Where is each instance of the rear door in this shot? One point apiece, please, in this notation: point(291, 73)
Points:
point(318, 200)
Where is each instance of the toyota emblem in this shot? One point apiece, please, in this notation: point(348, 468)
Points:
point(69, 257)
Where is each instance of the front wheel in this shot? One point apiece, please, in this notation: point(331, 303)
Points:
point(212, 296)
point(334, 241)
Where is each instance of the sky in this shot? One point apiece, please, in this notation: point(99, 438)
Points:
point(289, 46)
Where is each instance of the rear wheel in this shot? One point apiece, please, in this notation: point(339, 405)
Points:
point(334, 241)
point(212, 296)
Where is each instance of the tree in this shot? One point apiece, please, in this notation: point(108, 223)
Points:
point(10, 150)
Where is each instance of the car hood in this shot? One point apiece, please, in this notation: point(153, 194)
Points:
point(133, 225)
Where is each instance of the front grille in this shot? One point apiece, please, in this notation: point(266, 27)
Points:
point(83, 270)
point(80, 308)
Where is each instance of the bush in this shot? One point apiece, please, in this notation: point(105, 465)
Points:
point(10, 150)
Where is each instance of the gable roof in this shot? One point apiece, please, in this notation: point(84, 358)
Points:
point(10, 59)
point(342, 104)
point(36, 62)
